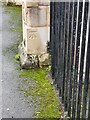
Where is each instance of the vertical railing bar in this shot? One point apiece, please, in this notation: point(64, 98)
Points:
point(57, 80)
point(89, 110)
point(81, 34)
point(52, 38)
point(71, 63)
point(86, 81)
point(67, 58)
point(76, 65)
point(59, 46)
point(69, 50)
point(72, 60)
point(76, 31)
point(65, 54)
point(62, 36)
point(88, 57)
point(56, 42)
point(80, 65)
point(56, 45)
point(63, 27)
point(64, 58)
point(78, 44)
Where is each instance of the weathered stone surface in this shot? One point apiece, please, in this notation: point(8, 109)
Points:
point(44, 59)
point(10, 1)
point(36, 16)
point(33, 42)
point(18, 2)
point(48, 15)
point(29, 3)
point(35, 39)
point(36, 33)
point(48, 34)
point(45, 3)
point(27, 61)
point(43, 33)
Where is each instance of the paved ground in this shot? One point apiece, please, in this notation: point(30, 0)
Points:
point(0, 63)
point(12, 100)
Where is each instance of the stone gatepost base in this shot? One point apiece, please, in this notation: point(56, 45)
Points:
point(36, 34)
point(29, 61)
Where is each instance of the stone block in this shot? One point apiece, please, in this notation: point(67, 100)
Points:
point(36, 17)
point(35, 39)
point(48, 15)
point(13, 1)
point(29, 3)
point(10, 2)
point(27, 61)
point(33, 42)
point(18, 2)
point(43, 33)
point(44, 60)
point(47, 3)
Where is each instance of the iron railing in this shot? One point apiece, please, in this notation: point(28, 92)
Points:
point(70, 55)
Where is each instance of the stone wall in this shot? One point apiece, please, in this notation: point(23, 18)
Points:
point(36, 22)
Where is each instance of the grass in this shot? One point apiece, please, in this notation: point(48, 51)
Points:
point(15, 23)
point(17, 57)
point(16, 17)
point(42, 92)
point(34, 82)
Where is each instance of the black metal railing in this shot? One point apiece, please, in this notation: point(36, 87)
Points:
point(70, 55)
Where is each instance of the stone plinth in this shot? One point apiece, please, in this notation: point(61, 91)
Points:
point(36, 25)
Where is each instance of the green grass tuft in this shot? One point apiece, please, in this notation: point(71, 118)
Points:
point(43, 93)
point(17, 57)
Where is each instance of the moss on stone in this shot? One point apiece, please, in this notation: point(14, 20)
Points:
point(17, 57)
point(43, 93)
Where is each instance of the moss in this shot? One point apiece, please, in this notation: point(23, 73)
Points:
point(43, 93)
point(17, 57)
point(15, 13)
point(15, 23)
